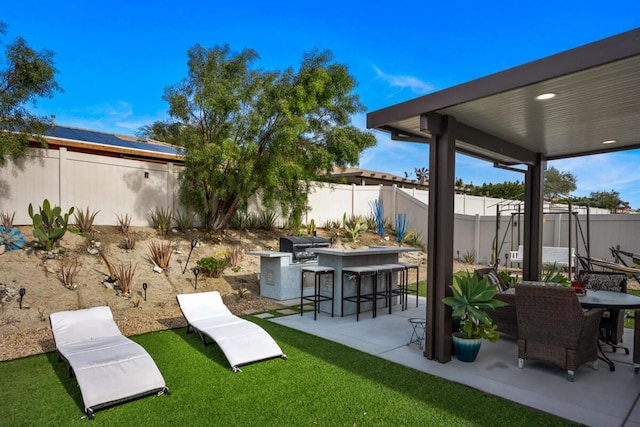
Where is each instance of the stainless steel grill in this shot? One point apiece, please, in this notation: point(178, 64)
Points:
point(300, 247)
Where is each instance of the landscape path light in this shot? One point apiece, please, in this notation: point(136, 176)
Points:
point(144, 288)
point(194, 243)
point(196, 271)
point(22, 292)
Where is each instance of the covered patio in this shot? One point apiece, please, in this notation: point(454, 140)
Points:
point(579, 102)
point(596, 397)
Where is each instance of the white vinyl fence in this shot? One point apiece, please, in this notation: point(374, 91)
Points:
point(117, 186)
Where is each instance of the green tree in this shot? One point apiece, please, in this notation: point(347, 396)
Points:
point(504, 190)
point(605, 199)
point(248, 131)
point(557, 183)
point(27, 76)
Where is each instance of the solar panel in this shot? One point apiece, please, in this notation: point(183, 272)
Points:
point(108, 139)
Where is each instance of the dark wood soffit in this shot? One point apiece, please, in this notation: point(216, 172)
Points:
point(591, 55)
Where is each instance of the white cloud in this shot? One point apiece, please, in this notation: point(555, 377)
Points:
point(404, 82)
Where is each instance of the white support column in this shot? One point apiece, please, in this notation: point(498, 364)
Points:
point(476, 236)
point(557, 228)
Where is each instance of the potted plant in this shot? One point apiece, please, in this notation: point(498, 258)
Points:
point(470, 299)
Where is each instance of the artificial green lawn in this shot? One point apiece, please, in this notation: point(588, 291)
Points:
point(322, 383)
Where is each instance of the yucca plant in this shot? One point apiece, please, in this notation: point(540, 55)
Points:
point(161, 219)
point(124, 222)
point(184, 221)
point(124, 276)
point(84, 219)
point(6, 220)
point(160, 252)
point(267, 220)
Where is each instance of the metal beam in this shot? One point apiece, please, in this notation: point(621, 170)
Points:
point(440, 241)
point(492, 143)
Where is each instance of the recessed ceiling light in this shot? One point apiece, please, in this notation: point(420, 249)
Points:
point(545, 96)
point(609, 141)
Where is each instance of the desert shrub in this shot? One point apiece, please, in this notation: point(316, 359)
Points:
point(124, 222)
point(240, 220)
point(371, 222)
point(68, 270)
point(267, 220)
point(414, 239)
point(327, 225)
point(213, 266)
point(49, 225)
point(128, 242)
point(124, 276)
point(160, 252)
point(233, 256)
point(252, 221)
point(84, 219)
point(161, 220)
point(469, 257)
point(184, 221)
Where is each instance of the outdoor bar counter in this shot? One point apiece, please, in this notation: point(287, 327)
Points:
point(343, 258)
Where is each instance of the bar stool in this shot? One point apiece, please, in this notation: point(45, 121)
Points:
point(317, 297)
point(358, 273)
point(408, 266)
point(388, 270)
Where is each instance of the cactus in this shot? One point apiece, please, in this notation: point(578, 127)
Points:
point(311, 228)
point(49, 226)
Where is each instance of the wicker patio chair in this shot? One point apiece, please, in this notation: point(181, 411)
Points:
point(612, 322)
point(552, 327)
point(504, 317)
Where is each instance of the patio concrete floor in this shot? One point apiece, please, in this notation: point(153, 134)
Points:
point(596, 397)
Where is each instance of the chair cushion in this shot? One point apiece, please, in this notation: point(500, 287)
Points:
point(603, 282)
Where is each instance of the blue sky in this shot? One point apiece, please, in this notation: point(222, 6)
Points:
point(115, 58)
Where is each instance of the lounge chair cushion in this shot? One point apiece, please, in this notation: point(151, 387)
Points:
point(240, 340)
point(108, 366)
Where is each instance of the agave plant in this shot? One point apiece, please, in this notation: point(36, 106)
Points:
point(470, 301)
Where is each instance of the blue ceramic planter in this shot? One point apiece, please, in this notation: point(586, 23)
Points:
point(466, 349)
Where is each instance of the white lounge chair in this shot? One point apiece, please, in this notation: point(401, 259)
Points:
point(240, 340)
point(109, 367)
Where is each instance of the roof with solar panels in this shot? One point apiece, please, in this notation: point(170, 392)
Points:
point(109, 144)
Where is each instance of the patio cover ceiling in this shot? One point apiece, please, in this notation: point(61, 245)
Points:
point(597, 89)
point(597, 98)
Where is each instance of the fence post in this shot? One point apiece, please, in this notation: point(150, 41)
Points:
point(63, 177)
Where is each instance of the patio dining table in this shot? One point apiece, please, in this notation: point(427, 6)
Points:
point(609, 300)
